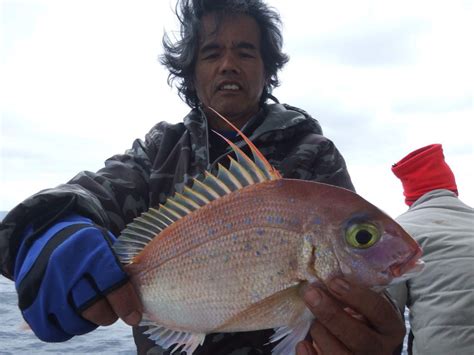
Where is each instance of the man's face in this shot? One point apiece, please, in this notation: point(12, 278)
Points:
point(229, 72)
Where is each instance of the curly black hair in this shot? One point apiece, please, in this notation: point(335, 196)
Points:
point(180, 56)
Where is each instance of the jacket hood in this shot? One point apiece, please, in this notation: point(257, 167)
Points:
point(273, 122)
point(284, 117)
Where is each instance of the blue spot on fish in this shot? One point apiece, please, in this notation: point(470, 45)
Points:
point(255, 296)
point(317, 221)
point(275, 219)
point(257, 253)
point(247, 220)
point(260, 231)
point(295, 222)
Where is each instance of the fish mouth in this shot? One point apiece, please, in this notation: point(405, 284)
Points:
point(408, 268)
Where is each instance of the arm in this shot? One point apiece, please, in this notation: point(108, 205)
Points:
point(111, 198)
point(47, 243)
point(314, 157)
point(330, 166)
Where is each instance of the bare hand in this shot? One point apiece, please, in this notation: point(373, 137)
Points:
point(121, 303)
point(376, 326)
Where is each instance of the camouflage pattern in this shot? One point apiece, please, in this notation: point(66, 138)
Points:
point(168, 158)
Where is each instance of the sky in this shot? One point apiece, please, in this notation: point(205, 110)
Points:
point(80, 80)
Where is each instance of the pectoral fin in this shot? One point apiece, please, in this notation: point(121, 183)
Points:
point(290, 336)
point(285, 305)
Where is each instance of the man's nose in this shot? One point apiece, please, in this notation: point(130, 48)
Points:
point(229, 64)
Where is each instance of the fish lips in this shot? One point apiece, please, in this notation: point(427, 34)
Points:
point(412, 266)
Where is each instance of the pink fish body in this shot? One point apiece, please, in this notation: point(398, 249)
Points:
point(231, 253)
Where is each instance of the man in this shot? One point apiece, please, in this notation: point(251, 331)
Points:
point(440, 299)
point(227, 58)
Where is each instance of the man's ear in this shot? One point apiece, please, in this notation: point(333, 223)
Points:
point(268, 79)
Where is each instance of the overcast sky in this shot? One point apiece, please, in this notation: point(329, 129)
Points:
point(80, 80)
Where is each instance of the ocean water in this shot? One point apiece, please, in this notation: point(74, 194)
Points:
point(15, 339)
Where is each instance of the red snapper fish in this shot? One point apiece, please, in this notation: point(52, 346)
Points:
point(230, 253)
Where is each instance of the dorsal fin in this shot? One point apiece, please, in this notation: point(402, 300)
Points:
point(245, 164)
point(208, 187)
point(259, 158)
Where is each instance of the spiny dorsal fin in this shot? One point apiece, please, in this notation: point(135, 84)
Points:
point(260, 159)
point(246, 164)
point(242, 172)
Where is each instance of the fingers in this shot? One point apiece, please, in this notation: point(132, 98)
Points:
point(122, 302)
point(325, 341)
point(305, 348)
point(375, 307)
point(353, 319)
point(100, 313)
point(335, 331)
point(126, 304)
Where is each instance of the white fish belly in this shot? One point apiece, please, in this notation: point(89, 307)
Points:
point(201, 289)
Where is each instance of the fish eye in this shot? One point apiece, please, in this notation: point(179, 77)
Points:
point(362, 235)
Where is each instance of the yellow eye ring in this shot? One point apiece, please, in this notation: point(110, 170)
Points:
point(362, 235)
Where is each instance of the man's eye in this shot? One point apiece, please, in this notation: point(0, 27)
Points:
point(210, 56)
point(246, 55)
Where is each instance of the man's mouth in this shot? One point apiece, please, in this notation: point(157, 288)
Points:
point(229, 87)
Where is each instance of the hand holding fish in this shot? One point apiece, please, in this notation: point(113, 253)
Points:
point(77, 283)
point(337, 332)
point(122, 303)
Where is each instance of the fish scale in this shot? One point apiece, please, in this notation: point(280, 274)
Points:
point(224, 281)
point(231, 252)
point(240, 256)
point(198, 225)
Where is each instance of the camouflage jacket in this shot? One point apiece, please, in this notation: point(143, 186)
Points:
point(169, 157)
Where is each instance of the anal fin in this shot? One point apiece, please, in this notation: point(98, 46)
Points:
point(290, 336)
point(186, 342)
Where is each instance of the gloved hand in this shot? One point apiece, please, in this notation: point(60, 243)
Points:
point(67, 271)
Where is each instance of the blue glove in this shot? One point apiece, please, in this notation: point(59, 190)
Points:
point(63, 272)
